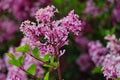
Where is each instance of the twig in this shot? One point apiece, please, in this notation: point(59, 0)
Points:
point(29, 73)
point(42, 61)
point(58, 69)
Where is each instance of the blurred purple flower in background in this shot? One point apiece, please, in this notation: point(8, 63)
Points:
point(2, 76)
point(92, 9)
point(16, 74)
point(2, 70)
point(97, 52)
point(116, 11)
point(86, 28)
point(85, 63)
point(82, 42)
point(7, 30)
point(2, 66)
point(22, 9)
point(111, 1)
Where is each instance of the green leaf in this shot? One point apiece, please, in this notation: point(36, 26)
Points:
point(46, 57)
point(32, 69)
point(11, 56)
point(47, 76)
point(36, 52)
point(117, 79)
point(21, 60)
point(14, 62)
point(56, 64)
point(105, 32)
point(52, 59)
point(25, 48)
point(112, 31)
point(97, 70)
point(46, 65)
point(58, 2)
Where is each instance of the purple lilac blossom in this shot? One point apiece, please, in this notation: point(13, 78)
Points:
point(72, 23)
point(7, 30)
point(50, 35)
point(85, 63)
point(97, 52)
point(16, 74)
point(113, 44)
point(2, 76)
point(22, 9)
point(111, 66)
point(45, 14)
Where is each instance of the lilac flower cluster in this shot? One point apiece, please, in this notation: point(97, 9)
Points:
point(108, 57)
point(111, 64)
point(50, 35)
point(7, 30)
point(22, 9)
point(97, 52)
point(95, 56)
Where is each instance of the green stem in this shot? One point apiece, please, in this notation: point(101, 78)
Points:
point(42, 61)
point(29, 74)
